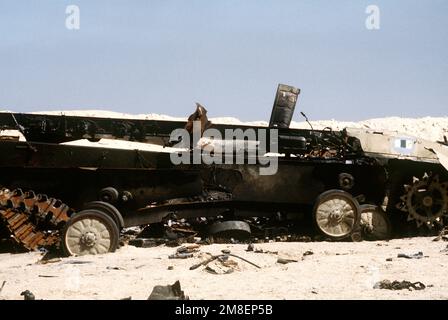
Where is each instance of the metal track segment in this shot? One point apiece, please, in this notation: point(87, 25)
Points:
point(23, 213)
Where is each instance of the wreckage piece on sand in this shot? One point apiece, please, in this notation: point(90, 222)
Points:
point(168, 292)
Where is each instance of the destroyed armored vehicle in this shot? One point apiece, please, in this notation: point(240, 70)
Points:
point(348, 183)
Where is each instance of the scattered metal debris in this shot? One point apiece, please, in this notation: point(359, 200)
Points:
point(399, 285)
point(188, 248)
point(418, 255)
point(53, 260)
point(252, 248)
point(147, 242)
point(185, 252)
point(443, 235)
point(28, 295)
point(3, 284)
point(133, 231)
point(115, 268)
point(222, 265)
point(50, 255)
point(222, 257)
point(257, 250)
point(205, 262)
point(285, 261)
point(302, 239)
point(77, 262)
point(219, 269)
point(179, 241)
point(178, 255)
point(227, 262)
point(169, 292)
point(245, 260)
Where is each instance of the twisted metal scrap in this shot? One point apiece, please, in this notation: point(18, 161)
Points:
point(399, 285)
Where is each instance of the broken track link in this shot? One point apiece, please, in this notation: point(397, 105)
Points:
point(32, 219)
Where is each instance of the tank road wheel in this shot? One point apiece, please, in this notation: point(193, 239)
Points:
point(336, 214)
point(375, 223)
point(230, 229)
point(90, 232)
point(107, 208)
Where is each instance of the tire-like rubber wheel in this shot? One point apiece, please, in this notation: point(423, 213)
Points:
point(375, 223)
point(109, 195)
point(108, 208)
point(230, 229)
point(336, 214)
point(89, 232)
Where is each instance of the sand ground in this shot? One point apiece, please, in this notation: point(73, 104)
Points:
point(342, 270)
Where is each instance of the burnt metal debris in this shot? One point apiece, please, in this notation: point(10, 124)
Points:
point(169, 292)
point(2, 286)
point(224, 259)
point(286, 261)
point(27, 295)
point(399, 285)
point(418, 255)
point(347, 184)
point(442, 235)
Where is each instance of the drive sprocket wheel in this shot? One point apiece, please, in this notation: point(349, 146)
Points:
point(425, 201)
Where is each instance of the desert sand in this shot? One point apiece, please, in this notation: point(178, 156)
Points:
point(335, 270)
point(338, 270)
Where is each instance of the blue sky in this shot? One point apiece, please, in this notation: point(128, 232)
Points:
point(162, 56)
